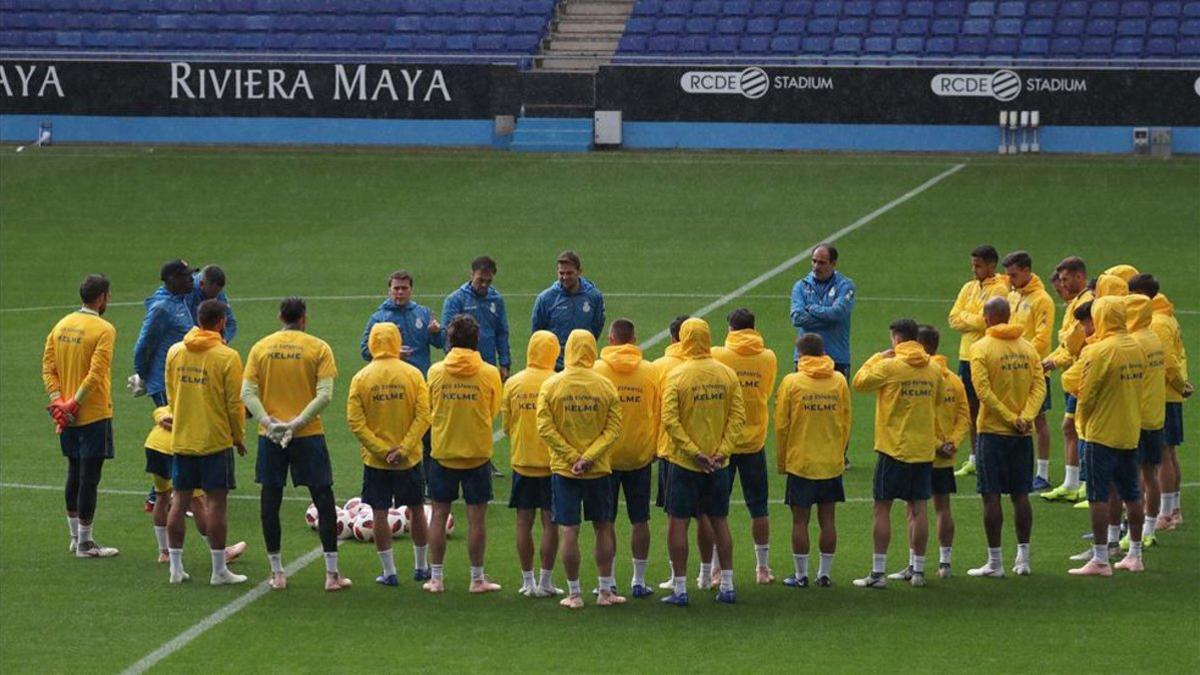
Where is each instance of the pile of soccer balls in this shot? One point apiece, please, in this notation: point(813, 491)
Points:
point(357, 521)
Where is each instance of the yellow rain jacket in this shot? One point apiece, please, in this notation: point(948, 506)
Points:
point(530, 456)
point(812, 420)
point(579, 412)
point(1126, 272)
point(77, 362)
point(1070, 336)
point(159, 439)
point(672, 357)
point(1007, 374)
point(1166, 327)
point(1033, 309)
point(756, 368)
point(954, 414)
point(1138, 314)
point(908, 392)
point(966, 316)
point(702, 408)
point(637, 386)
point(388, 404)
point(1111, 285)
point(204, 388)
point(464, 398)
point(1111, 372)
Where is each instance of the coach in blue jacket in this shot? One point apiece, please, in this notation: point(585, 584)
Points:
point(821, 304)
point(168, 319)
point(481, 300)
point(418, 329)
point(207, 284)
point(571, 302)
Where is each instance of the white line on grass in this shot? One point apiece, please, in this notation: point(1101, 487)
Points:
point(184, 638)
point(113, 491)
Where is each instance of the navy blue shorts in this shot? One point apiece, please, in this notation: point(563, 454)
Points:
point(636, 484)
point(90, 441)
point(384, 488)
point(1150, 447)
point(1173, 427)
point(159, 464)
point(444, 483)
point(751, 468)
point(204, 472)
point(911, 482)
point(804, 492)
point(1082, 448)
point(160, 399)
point(1108, 467)
point(692, 493)
point(1069, 402)
point(530, 492)
point(943, 481)
point(664, 467)
point(592, 494)
point(1046, 399)
point(964, 374)
point(306, 457)
point(1004, 464)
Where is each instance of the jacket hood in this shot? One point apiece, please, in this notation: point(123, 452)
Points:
point(585, 286)
point(581, 349)
point(674, 350)
point(940, 360)
point(385, 341)
point(1125, 272)
point(390, 306)
point(1111, 285)
point(491, 294)
point(543, 350)
point(820, 367)
point(622, 358)
point(1138, 312)
point(1108, 315)
point(696, 340)
point(811, 278)
point(1161, 305)
point(200, 340)
point(912, 353)
point(1006, 331)
point(1035, 284)
point(463, 362)
point(747, 342)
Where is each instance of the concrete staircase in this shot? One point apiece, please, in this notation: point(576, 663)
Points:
point(552, 134)
point(584, 35)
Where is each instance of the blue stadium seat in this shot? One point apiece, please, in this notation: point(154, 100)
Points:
point(1065, 46)
point(1106, 9)
point(537, 7)
point(1100, 27)
point(170, 21)
point(706, 8)
point(1038, 27)
point(847, 44)
point(277, 42)
point(949, 8)
point(530, 24)
point(889, 8)
point(735, 8)
point(662, 44)
point(765, 8)
point(1127, 48)
point(675, 8)
point(877, 45)
point(1191, 9)
point(1002, 45)
point(827, 8)
point(792, 25)
point(1167, 9)
point(920, 8)
point(460, 43)
point(856, 8)
point(731, 26)
point(407, 24)
point(632, 43)
point(945, 27)
point(71, 39)
point(1044, 8)
point(785, 44)
point(822, 26)
point(39, 39)
point(1190, 28)
point(971, 45)
point(646, 8)
point(1069, 27)
point(798, 8)
point(884, 26)
point(700, 25)
point(1131, 27)
point(910, 45)
point(479, 7)
point(637, 25)
point(504, 24)
point(1137, 9)
point(1188, 47)
point(1160, 48)
point(1011, 9)
point(468, 24)
point(940, 45)
point(853, 26)
point(669, 25)
point(914, 26)
point(760, 26)
point(1164, 27)
point(693, 44)
point(1074, 8)
point(1033, 46)
point(490, 44)
point(429, 42)
point(436, 23)
point(753, 44)
point(1007, 27)
point(816, 45)
point(506, 8)
point(981, 9)
point(977, 27)
point(522, 42)
point(723, 44)
point(10, 38)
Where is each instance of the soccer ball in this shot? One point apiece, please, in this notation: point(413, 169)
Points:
point(353, 505)
point(397, 522)
point(364, 525)
point(310, 516)
point(345, 524)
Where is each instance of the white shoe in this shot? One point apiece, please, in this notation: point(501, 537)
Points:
point(73, 545)
point(1083, 556)
point(227, 577)
point(872, 581)
point(180, 577)
point(1021, 568)
point(90, 549)
point(987, 571)
point(550, 591)
point(667, 585)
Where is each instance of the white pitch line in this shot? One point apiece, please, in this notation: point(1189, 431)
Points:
point(114, 491)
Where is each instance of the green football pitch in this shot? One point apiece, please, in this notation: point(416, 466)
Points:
point(661, 235)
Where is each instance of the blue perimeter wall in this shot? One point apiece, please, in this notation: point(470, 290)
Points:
point(637, 135)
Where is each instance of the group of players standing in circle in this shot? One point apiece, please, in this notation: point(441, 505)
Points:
point(587, 425)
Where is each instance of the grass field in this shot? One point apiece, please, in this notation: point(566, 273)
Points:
point(661, 235)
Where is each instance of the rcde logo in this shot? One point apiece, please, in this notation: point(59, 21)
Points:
point(752, 82)
point(1002, 85)
point(1005, 85)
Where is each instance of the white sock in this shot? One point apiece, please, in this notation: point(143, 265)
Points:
point(726, 580)
point(176, 555)
point(918, 564)
point(276, 560)
point(73, 524)
point(639, 572)
point(476, 573)
point(437, 572)
point(800, 560)
point(420, 561)
point(715, 559)
point(994, 558)
point(1023, 552)
point(389, 563)
point(1114, 533)
point(878, 563)
point(1100, 553)
point(218, 561)
point(762, 555)
point(526, 578)
point(160, 535)
point(607, 583)
point(1174, 502)
point(680, 585)
point(573, 586)
point(1043, 469)
point(545, 578)
point(826, 567)
point(1135, 548)
point(1148, 527)
point(1071, 482)
point(944, 553)
point(705, 572)
point(971, 459)
point(1164, 505)
point(85, 533)
point(912, 556)
point(331, 566)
